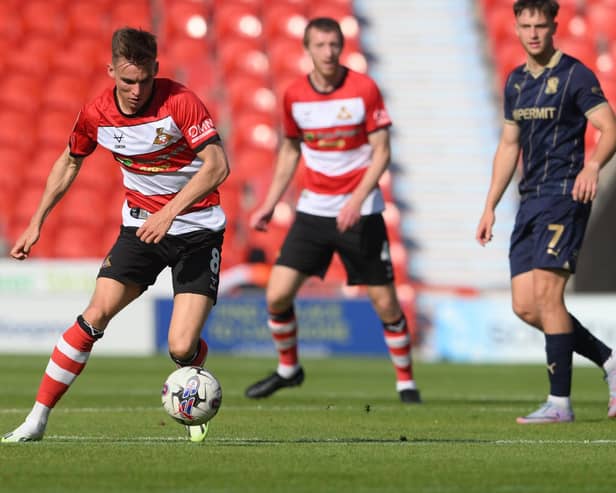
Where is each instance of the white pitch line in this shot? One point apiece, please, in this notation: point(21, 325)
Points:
point(334, 441)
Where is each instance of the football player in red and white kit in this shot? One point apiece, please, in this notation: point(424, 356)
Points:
point(172, 162)
point(335, 118)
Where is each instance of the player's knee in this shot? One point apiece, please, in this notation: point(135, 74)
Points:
point(181, 349)
point(96, 317)
point(278, 301)
point(526, 312)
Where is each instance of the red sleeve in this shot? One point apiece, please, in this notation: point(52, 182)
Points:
point(193, 118)
point(82, 140)
point(290, 127)
point(376, 114)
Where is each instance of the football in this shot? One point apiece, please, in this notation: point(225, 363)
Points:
point(191, 395)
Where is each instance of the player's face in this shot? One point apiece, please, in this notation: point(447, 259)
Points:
point(324, 48)
point(133, 84)
point(536, 32)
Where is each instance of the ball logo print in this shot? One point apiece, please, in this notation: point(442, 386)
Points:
point(191, 395)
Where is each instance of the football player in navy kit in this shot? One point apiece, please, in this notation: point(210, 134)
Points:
point(547, 103)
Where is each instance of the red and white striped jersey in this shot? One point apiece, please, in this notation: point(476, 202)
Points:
point(156, 150)
point(333, 128)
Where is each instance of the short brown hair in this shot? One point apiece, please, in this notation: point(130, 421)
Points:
point(326, 24)
point(548, 7)
point(136, 46)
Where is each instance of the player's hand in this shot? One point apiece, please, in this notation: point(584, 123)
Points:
point(155, 227)
point(348, 216)
point(25, 242)
point(484, 229)
point(260, 218)
point(586, 183)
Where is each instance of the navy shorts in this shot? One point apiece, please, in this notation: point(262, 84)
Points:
point(548, 234)
point(363, 249)
point(194, 259)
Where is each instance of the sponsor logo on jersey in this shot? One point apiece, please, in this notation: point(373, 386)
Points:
point(551, 86)
point(162, 138)
point(381, 117)
point(201, 130)
point(535, 113)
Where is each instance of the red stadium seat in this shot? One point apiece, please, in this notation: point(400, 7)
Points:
point(284, 21)
point(13, 160)
point(11, 24)
point(238, 21)
point(83, 206)
point(16, 131)
point(184, 50)
point(33, 57)
point(54, 128)
point(246, 94)
point(355, 60)
point(581, 48)
point(288, 57)
point(253, 131)
point(74, 242)
point(508, 55)
point(185, 18)
point(90, 19)
point(135, 13)
point(602, 21)
point(43, 17)
point(38, 168)
point(83, 58)
point(65, 93)
point(249, 161)
point(500, 24)
point(240, 59)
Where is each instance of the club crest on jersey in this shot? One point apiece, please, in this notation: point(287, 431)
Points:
point(162, 138)
point(597, 90)
point(344, 114)
point(551, 86)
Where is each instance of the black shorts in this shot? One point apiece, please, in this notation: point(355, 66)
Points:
point(548, 234)
point(194, 259)
point(363, 249)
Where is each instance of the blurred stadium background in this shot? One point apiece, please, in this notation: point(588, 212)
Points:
point(441, 65)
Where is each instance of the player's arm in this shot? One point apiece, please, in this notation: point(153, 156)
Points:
point(503, 168)
point(62, 174)
point(381, 152)
point(286, 165)
point(212, 173)
point(586, 182)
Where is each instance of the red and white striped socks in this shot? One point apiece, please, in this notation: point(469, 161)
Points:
point(283, 327)
point(398, 341)
point(67, 361)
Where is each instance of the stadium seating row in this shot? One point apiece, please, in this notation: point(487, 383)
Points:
point(238, 55)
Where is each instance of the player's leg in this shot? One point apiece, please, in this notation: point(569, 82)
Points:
point(186, 347)
point(397, 338)
point(584, 342)
point(195, 260)
point(71, 353)
point(282, 288)
point(364, 251)
point(306, 251)
point(549, 287)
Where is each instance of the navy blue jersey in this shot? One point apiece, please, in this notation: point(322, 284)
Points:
point(550, 108)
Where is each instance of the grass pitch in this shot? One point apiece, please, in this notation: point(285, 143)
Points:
point(344, 430)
